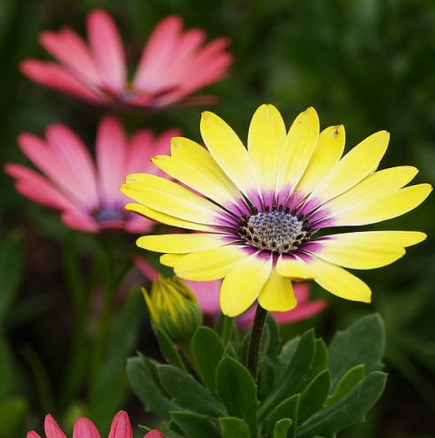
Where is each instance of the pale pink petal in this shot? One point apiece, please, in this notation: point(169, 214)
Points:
point(209, 65)
point(305, 309)
point(52, 429)
point(78, 171)
point(137, 224)
point(207, 294)
point(121, 427)
point(143, 147)
point(71, 51)
point(111, 151)
point(139, 155)
point(157, 55)
point(84, 428)
point(32, 434)
point(35, 187)
point(107, 49)
point(154, 434)
point(177, 66)
point(302, 292)
point(301, 312)
point(79, 220)
point(149, 271)
point(54, 76)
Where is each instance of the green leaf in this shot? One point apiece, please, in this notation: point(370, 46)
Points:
point(362, 343)
point(143, 379)
point(188, 392)
point(286, 409)
point(237, 389)
point(285, 357)
point(347, 383)
point(108, 388)
point(12, 410)
point(271, 342)
point(194, 425)
point(297, 368)
point(167, 348)
point(267, 375)
point(318, 365)
point(7, 378)
point(207, 350)
point(232, 427)
point(321, 360)
point(10, 271)
point(314, 396)
point(349, 410)
point(225, 328)
point(282, 427)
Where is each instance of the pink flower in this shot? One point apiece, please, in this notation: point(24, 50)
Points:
point(88, 195)
point(207, 295)
point(173, 65)
point(84, 428)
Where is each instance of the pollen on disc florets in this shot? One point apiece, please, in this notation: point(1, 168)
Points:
point(275, 231)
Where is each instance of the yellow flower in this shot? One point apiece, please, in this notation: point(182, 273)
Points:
point(260, 220)
point(173, 307)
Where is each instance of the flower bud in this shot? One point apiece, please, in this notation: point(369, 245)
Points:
point(173, 308)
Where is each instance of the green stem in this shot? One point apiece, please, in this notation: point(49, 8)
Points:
point(255, 340)
point(227, 329)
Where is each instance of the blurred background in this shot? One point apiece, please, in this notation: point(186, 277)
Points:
point(367, 64)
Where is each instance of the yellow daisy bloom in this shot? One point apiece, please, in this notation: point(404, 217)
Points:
point(259, 212)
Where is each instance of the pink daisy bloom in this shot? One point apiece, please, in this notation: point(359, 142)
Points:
point(84, 428)
point(87, 194)
point(207, 295)
point(174, 64)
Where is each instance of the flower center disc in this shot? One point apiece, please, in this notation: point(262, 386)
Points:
point(275, 231)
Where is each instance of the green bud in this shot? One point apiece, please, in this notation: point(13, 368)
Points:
point(173, 308)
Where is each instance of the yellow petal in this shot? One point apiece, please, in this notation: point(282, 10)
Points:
point(298, 148)
point(229, 152)
point(194, 166)
point(293, 267)
point(242, 285)
point(171, 259)
point(277, 294)
point(209, 264)
point(339, 282)
point(181, 243)
point(367, 250)
point(359, 162)
point(266, 137)
point(385, 207)
point(327, 153)
point(169, 198)
point(374, 186)
point(166, 219)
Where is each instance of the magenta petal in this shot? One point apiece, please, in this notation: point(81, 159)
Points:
point(107, 49)
point(121, 427)
point(36, 187)
point(84, 428)
point(111, 151)
point(52, 429)
point(57, 77)
point(71, 51)
point(154, 434)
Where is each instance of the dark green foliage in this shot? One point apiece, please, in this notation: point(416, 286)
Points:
point(299, 403)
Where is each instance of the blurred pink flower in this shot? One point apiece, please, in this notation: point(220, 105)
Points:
point(173, 65)
point(84, 428)
point(207, 294)
point(88, 195)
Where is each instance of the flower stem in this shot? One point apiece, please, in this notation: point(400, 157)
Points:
point(255, 340)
